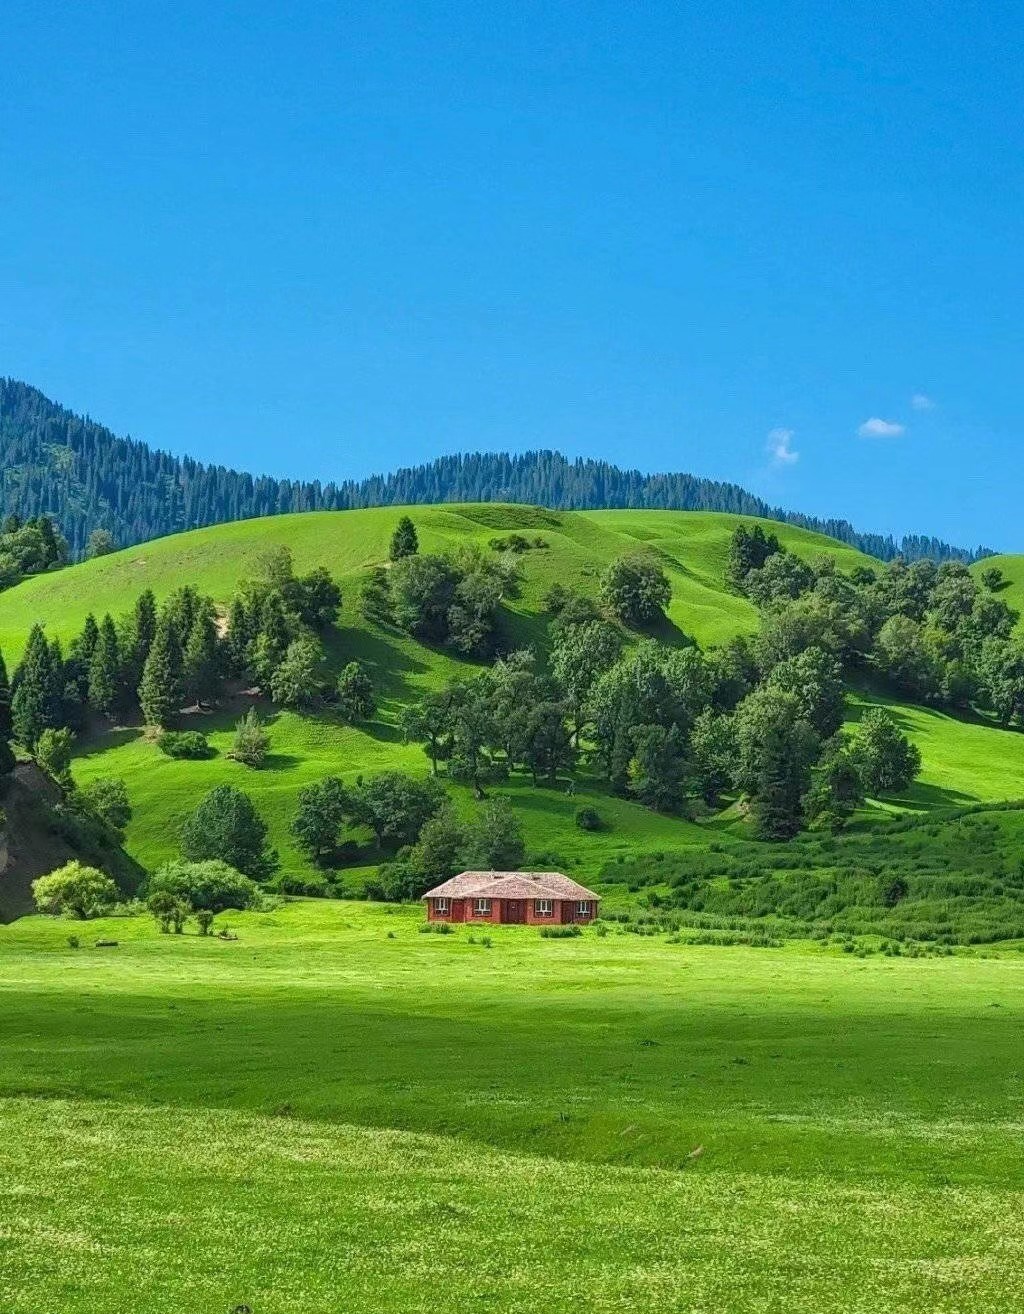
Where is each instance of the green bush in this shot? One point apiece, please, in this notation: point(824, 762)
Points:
point(312, 884)
point(81, 891)
point(210, 885)
point(569, 932)
point(588, 818)
point(190, 744)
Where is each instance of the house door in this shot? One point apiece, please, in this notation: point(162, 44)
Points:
point(513, 910)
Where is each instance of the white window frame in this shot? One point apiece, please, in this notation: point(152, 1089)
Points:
point(481, 906)
point(544, 907)
point(583, 908)
point(440, 905)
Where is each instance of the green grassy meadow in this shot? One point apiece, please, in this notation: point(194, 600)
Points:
point(1012, 589)
point(337, 1112)
point(691, 546)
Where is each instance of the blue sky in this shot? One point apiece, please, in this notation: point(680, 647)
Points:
point(720, 237)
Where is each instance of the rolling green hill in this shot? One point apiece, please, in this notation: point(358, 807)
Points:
point(964, 761)
point(692, 547)
point(1012, 589)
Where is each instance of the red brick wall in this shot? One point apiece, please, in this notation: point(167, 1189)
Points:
point(533, 918)
point(463, 910)
point(456, 911)
point(473, 916)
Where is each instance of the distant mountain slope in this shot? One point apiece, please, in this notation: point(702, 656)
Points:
point(55, 462)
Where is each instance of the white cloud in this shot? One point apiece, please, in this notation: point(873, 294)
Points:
point(876, 428)
point(922, 402)
point(780, 444)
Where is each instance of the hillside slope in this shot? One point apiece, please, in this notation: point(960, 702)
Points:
point(692, 547)
point(1011, 591)
point(38, 834)
point(963, 760)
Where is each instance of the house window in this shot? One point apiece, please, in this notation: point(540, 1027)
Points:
point(583, 908)
point(440, 905)
point(482, 907)
point(543, 907)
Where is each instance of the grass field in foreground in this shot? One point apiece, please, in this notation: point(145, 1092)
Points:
point(339, 1113)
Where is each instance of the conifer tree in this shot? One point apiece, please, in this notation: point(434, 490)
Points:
point(200, 676)
point(6, 726)
point(56, 688)
point(31, 696)
point(272, 639)
point(181, 608)
point(160, 692)
point(87, 640)
point(239, 636)
point(138, 639)
point(404, 541)
point(105, 670)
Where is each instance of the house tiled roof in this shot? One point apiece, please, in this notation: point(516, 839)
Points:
point(511, 885)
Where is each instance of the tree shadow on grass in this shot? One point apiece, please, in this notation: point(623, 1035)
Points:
point(387, 732)
point(898, 704)
point(388, 660)
point(99, 740)
point(666, 631)
point(280, 762)
point(921, 796)
point(383, 731)
point(521, 630)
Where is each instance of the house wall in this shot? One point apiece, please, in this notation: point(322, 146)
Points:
point(456, 911)
point(462, 910)
point(490, 917)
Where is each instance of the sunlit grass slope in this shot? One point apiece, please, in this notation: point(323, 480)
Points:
point(1012, 588)
point(337, 1112)
point(962, 760)
point(692, 548)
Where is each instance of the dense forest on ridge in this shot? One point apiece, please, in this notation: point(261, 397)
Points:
point(59, 464)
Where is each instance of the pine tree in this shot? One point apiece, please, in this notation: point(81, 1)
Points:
point(200, 676)
point(159, 691)
point(272, 639)
point(31, 696)
point(105, 670)
point(404, 541)
point(239, 636)
point(139, 634)
point(87, 640)
point(6, 725)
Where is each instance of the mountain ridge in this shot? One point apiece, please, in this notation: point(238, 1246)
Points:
point(56, 462)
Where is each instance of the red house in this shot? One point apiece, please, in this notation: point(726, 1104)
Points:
point(538, 898)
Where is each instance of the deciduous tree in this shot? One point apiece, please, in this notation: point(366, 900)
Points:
point(227, 826)
point(636, 590)
point(76, 889)
point(319, 819)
